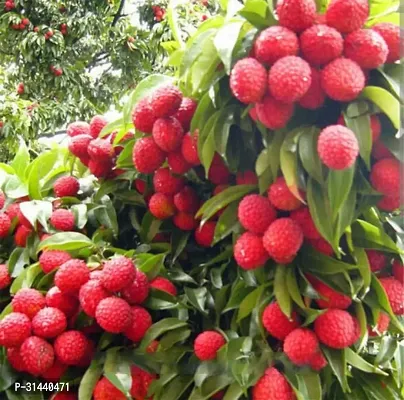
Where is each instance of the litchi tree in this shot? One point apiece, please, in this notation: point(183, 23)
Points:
point(235, 234)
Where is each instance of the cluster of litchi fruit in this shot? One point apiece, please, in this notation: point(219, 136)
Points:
point(9, 5)
point(23, 24)
point(159, 13)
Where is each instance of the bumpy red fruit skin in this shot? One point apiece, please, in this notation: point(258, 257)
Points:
point(398, 271)
point(78, 128)
point(55, 372)
point(168, 133)
point(78, 145)
point(52, 259)
point(391, 35)
point(100, 150)
point(321, 44)
point(166, 183)
point(256, 213)
point(380, 151)
point(249, 251)
point(185, 222)
point(189, 148)
point(337, 11)
point(329, 298)
point(90, 295)
point(71, 276)
point(97, 123)
point(273, 113)
point(164, 284)
point(62, 220)
point(385, 176)
point(204, 235)
point(100, 169)
point(141, 322)
point(318, 362)
point(296, 15)
point(289, 79)
point(185, 113)
point(367, 48)
point(246, 178)
point(187, 200)
point(395, 293)
point(118, 273)
point(165, 101)
point(14, 329)
point(277, 323)
point(248, 80)
point(113, 314)
point(300, 346)
point(219, 174)
point(21, 236)
point(13, 210)
point(382, 325)
point(5, 278)
point(283, 239)
point(141, 381)
point(389, 203)
point(65, 302)
point(315, 96)
point(70, 347)
point(335, 328)
point(138, 290)
point(147, 156)
point(272, 385)
point(337, 147)
point(49, 322)
point(281, 197)
point(342, 79)
point(161, 206)
point(177, 163)
point(15, 359)
point(143, 117)
point(322, 246)
point(377, 260)
point(274, 43)
point(303, 217)
point(105, 390)
point(5, 225)
point(28, 302)
point(207, 344)
point(37, 354)
point(66, 186)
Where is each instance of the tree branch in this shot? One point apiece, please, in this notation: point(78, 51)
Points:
point(118, 13)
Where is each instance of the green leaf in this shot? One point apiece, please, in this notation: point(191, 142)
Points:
point(150, 264)
point(80, 214)
point(293, 287)
point(250, 303)
point(387, 349)
point(112, 126)
point(90, 379)
point(15, 188)
point(8, 377)
point(364, 268)
point(175, 389)
point(234, 392)
point(358, 362)
point(392, 77)
point(309, 155)
point(106, 215)
point(37, 210)
point(21, 160)
point(257, 13)
point(227, 222)
point(238, 292)
point(197, 297)
point(385, 101)
point(203, 112)
point(336, 359)
point(18, 259)
point(150, 227)
point(66, 241)
point(179, 241)
point(173, 21)
point(228, 116)
point(281, 290)
point(117, 370)
point(174, 337)
point(312, 383)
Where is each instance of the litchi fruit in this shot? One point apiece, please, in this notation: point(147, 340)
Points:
point(147, 156)
point(398, 270)
point(273, 113)
point(113, 314)
point(166, 183)
point(50, 260)
point(168, 133)
point(337, 147)
point(143, 117)
point(49, 322)
point(246, 178)
point(21, 235)
point(141, 381)
point(391, 35)
point(395, 293)
point(342, 79)
point(303, 217)
point(205, 233)
point(380, 151)
point(5, 225)
point(14, 329)
point(164, 284)
point(281, 197)
point(337, 11)
point(66, 186)
point(296, 15)
point(65, 302)
point(100, 150)
point(105, 390)
point(70, 347)
point(185, 113)
point(272, 385)
point(90, 295)
point(377, 260)
point(389, 203)
point(207, 344)
point(322, 246)
point(28, 302)
point(165, 101)
point(248, 80)
point(274, 43)
point(71, 276)
point(100, 169)
point(382, 325)
point(385, 176)
point(78, 128)
point(315, 96)
point(97, 123)
point(277, 323)
point(189, 148)
point(185, 221)
point(78, 145)
point(187, 200)
point(138, 290)
point(118, 273)
point(318, 362)
point(161, 206)
point(218, 172)
point(300, 346)
point(249, 251)
point(55, 372)
point(141, 322)
point(62, 220)
point(177, 163)
point(15, 359)
point(5, 278)
point(37, 354)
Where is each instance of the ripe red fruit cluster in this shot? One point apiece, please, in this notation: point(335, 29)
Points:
point(159, 13)
point(9, 5)
point(23, 24)
point(57, 71)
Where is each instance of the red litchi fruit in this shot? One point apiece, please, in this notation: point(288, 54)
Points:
point(253, 114)
point(52, 259)
point(375, 127)
point(165, 101)
point(70, 347)
point(395, 293)
point(147, 156)
point(28, 302)
point(177, 163)
point(185, 113)
point(281, 197)
point(377, 260)
point(141, 381)
point(274, 43)
point(141, 322)
point(13, 210)
point(15, 359)
point(113, 314)
point(249, 251)
point(301, 345)
point(72, 275)
point(23, 220)
point(62, 220)
point(14, 329)
point(138, 290)
point(66, 186)
point(37, 354)
point(100, 169)
point(246, 178)
point(205, 233)
point(385, 176)
point(256, 213)
point(161, 206)
point(168, 134)
point(389, 203)
point(380, 151)
point(315, 96)
point(335, 328)
point(90, 295)
point(322, 246)
point(185, 222)
point(105, 390)
point(329, 298)
point(337, 11)
point(88, 356)
point(5, 225)
point(289, 78)
point(219, 174)
point(187, 200)
point(207, 344)
point(321, 44)
point(97, 124)
point(5, 278)
point(100, 150)
point(65, 302)
point(273, 385)
point(296, 15)
point(21, 235)
point(153, 346)
point(49, 322)
point(303, 217)
point(118, 273)
point(391, 35)
point(398, 271)
point(166, 183)
point(142, 116)
point(318, 362)
point(367, 48)
point(78, 145)
point(20, 88)
point(248, 80)
point(55, 372)
point(283, 240)
point(337, 147)
point(277, 323)
point(382, 325)
point(342, 79)
point(273, 113)
point(161, 283)
point(78, 128)
point(189, 148)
